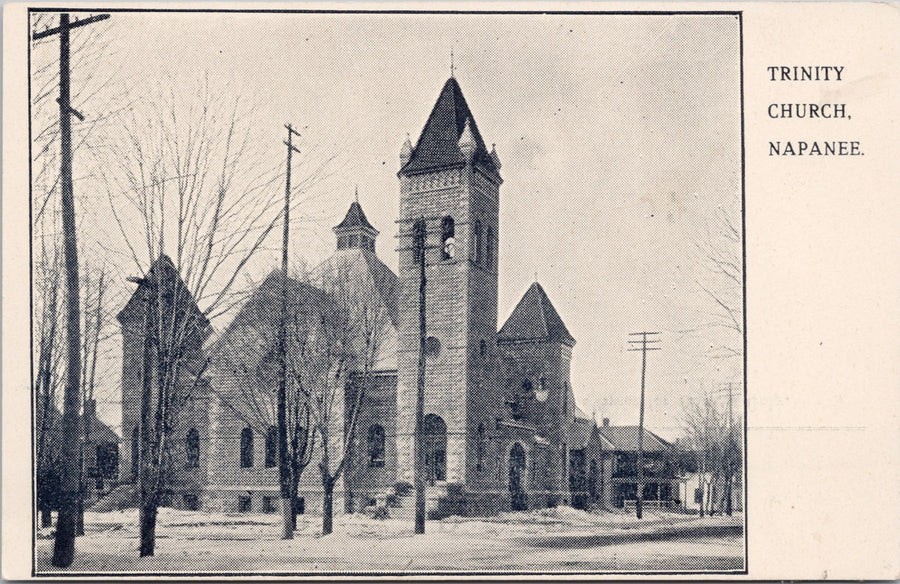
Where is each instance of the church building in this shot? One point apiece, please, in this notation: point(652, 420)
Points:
point(502, 430)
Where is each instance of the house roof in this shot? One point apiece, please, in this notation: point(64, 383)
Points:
point(578, 433)
point(625, 439)
point(99, 430)
point(438, 145)
point(355, 218)
point(363, 270)
point(535, 319)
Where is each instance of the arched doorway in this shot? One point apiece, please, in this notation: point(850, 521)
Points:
point(434, 446)
point(518, 497)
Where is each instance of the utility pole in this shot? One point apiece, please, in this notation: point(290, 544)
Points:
point(64, 545)
point(420, 236)
point(640, 453)
point(284, 462)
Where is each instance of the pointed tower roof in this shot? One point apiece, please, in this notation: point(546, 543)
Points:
point(354, 218)
point(438, 145)
point(535, 319)
point(163, 270)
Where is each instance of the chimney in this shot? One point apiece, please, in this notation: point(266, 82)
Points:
point(605, 422)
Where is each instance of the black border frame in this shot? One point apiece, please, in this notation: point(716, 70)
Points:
point(416, 574)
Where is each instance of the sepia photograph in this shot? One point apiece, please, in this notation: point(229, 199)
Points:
point(370, 292)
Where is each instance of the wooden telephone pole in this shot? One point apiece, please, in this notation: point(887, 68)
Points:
point(640, 453)
point(284, 462)
point(64, 545)
point(420, 236)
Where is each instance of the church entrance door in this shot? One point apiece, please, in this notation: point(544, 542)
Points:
point(434, 445)
point(518, 497)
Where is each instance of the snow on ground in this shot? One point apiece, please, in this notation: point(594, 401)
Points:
point(545, 540)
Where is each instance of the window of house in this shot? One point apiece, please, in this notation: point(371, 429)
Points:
point(448, 238)
point(271, 447)
point(432, 346)
point(192, 448)
point(268, 505)
point(489, 249)
point(244, 504)
point(246, 448)
point(481, 447)
point(376, 446)
point(477, 234)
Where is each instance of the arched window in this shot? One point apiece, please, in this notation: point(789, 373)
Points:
point(481, 447)
point(271, 447)
point(246, 448)
point(448, 238)
point(192, 448)
point(476, 233)
point(376, 446)
point(489, 249)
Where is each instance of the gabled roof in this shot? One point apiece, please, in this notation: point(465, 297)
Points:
point(535, 319)
point(354, 218)
point(254, 329)
point(625, 439)
point(438, 145)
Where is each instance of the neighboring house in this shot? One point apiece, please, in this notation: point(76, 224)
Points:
point(661, 480)
point(712, 492)
point(101, 454)
point(501, 425)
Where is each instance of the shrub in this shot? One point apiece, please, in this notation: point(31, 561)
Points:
point(402, 488)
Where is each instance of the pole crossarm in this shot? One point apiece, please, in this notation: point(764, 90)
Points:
point(68, 26)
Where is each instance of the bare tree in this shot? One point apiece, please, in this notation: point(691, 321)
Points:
point(191, 183)
point(714, 440)
point(719, 253)
point(334, 365)
point(247, 353)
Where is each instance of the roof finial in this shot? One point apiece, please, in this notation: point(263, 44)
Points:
point(452, 68)
point(356, 194)
point(535, 276)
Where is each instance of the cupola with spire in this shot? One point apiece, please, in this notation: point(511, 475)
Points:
point(355, 231)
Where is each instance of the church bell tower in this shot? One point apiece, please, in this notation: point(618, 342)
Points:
point(450, 181)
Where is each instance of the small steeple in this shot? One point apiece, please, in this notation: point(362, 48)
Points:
point(494, 156)
point(467, 142)
point(405, 151)
point(355, 231)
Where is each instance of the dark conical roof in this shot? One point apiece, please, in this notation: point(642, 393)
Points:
point(438, 145)
point(354, 218)
point(535, 319)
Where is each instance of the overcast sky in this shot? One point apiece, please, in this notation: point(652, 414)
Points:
point(619, 138)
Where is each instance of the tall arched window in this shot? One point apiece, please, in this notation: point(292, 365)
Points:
point(376, 446)
point(271, 447)
point(448, 238)
point(477, 234)
point(246, 448)
point(489, 249)
point(192, 448)
point(481, 447)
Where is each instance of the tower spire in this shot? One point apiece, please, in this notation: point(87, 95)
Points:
point(452, 68)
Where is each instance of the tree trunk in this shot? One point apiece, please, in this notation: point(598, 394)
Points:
point(287, 519)
point(148, 528)
point(46, 517)
point(79, 522)
point(327, 507)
